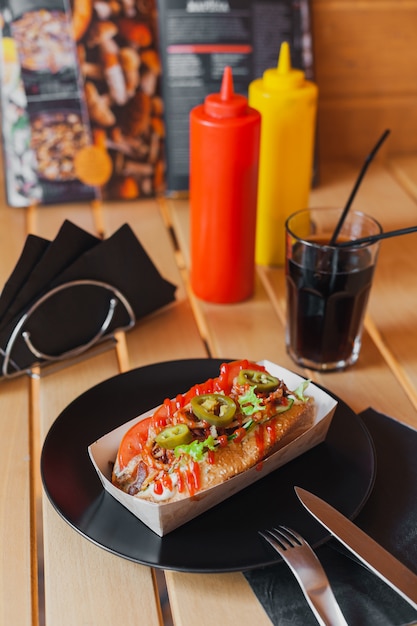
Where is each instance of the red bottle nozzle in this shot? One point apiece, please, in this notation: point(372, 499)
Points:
point(227, 103)
point(227, 89)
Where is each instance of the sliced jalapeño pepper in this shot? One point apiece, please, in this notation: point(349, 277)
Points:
point(173, 436)
point(214, 408)
point(262, 381)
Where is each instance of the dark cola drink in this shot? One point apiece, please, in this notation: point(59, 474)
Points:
point(327, 294)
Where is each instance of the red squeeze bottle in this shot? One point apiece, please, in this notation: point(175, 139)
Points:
point(224, 158)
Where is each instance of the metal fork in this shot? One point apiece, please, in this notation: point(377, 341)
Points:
point(309, 573)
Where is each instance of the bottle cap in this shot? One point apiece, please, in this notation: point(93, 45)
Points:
point(227, 103)
point(284, 76)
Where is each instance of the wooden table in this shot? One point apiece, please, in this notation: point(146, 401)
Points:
point(49, 573)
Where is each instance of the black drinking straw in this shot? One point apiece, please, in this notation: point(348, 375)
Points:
point(365, 166)
point(374, 238)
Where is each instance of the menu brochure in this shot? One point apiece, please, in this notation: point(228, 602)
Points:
point(198, 38)
point(122, 77)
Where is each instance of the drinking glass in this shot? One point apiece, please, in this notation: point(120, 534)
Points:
point(327, 286)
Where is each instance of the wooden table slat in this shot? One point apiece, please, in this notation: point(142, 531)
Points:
point(18, 591)
point(214, 598)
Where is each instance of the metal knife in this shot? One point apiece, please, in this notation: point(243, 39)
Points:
point(374, 556)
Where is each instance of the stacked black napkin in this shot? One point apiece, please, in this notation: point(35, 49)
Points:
point(61, 293)
point(389, 516)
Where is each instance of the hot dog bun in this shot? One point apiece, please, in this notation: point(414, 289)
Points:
point(264, 421)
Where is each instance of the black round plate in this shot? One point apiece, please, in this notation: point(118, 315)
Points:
point(341, 470)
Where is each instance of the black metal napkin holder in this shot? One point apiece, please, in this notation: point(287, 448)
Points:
point(72, 315)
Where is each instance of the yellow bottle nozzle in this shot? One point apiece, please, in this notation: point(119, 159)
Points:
point(284, 59)
point(284, 76)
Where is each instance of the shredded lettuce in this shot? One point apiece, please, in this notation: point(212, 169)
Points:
point(196, 449)
point(299, 392)
point(250, 403)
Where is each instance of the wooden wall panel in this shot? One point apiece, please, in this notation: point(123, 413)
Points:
point(366, 68)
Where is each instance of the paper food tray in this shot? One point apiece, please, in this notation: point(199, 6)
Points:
point(162, 517)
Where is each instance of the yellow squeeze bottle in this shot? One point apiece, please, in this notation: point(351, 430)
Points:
point(287, 102)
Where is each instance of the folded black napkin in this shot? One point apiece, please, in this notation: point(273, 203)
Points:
point(69, 293)
point(389, 516)
point(32, 252)
point(38, 269)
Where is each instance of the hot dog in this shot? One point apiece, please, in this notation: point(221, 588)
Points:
point(211, 433)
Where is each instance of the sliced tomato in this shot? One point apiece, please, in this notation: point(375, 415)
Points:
point(133, 442)
point(161, 417)
point(229, 371)
point(223, 382)
point(200, 389)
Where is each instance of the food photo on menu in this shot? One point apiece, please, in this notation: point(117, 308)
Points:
point(42, 94)
point(74, 76)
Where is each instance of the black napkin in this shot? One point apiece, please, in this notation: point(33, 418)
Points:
point(32, 252)
point(72, 290)
point(70, 242)
point(389, 516)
